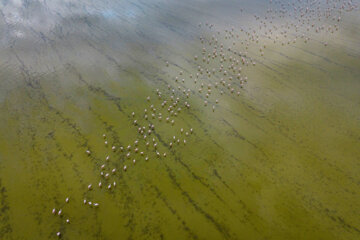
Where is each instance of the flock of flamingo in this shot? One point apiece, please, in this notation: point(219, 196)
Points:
point(218, 71)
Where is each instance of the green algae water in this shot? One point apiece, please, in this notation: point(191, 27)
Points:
point(272, 155)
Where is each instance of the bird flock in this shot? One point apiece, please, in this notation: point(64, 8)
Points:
point(217, 70)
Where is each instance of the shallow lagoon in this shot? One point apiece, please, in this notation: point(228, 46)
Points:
point(279, 161)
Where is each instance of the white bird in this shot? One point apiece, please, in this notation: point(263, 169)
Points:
point(67, 200)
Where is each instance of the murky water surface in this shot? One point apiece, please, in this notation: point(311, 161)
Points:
point(279, 158)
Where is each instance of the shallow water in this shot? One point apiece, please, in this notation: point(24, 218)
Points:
point(279, 161)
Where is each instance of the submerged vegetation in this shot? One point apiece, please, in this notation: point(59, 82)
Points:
point(179, 120)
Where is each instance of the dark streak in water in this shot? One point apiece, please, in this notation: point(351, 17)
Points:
point(196, 177)
point(94, 89)
point(5, 229)
point(161, 196)
point(222, 229)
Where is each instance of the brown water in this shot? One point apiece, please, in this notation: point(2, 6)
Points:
point(279, 161)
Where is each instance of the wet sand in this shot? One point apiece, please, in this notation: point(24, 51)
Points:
point(278, 161)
